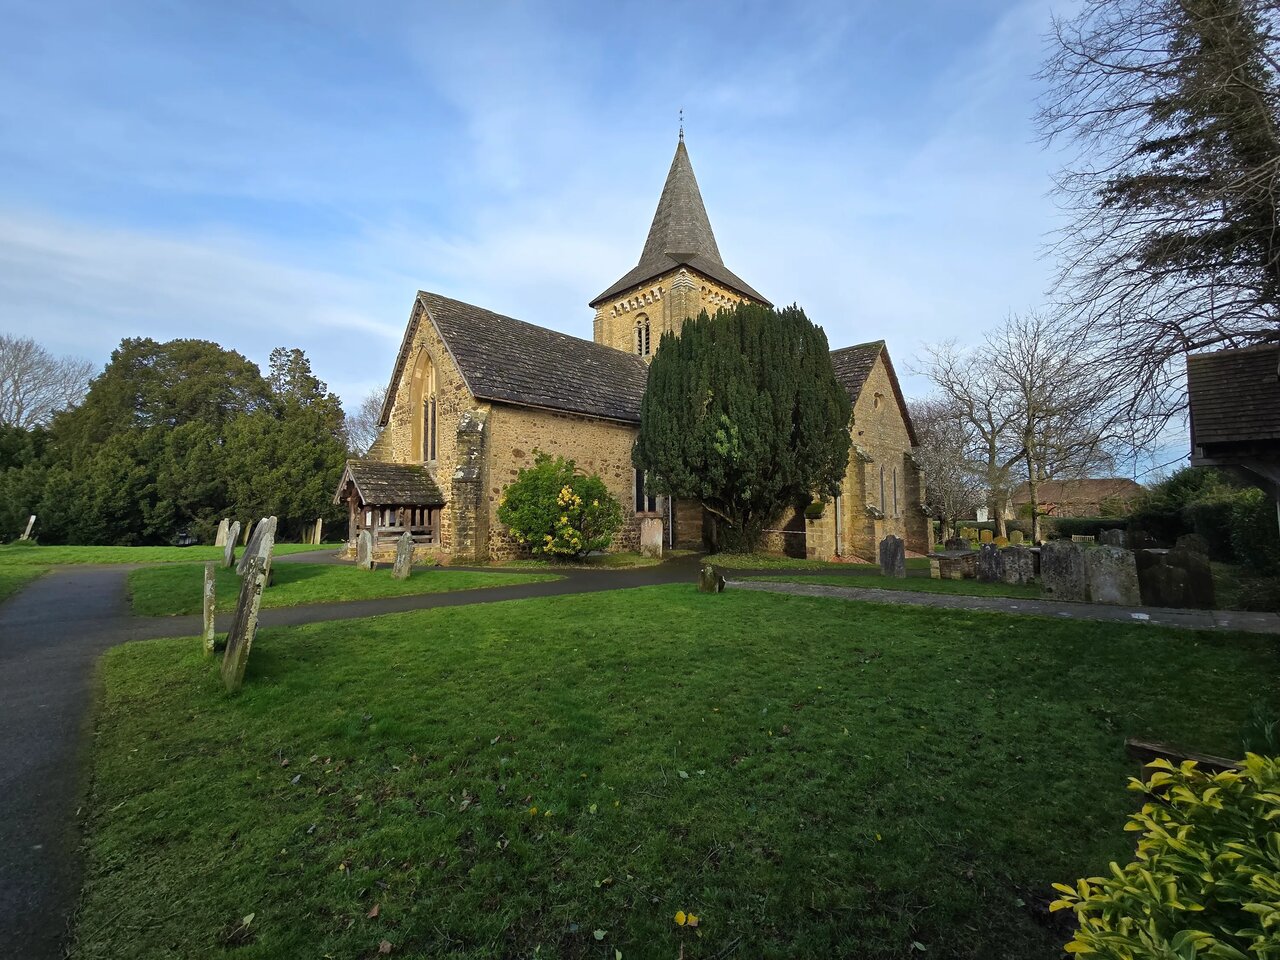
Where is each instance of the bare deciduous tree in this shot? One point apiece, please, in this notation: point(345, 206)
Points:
point(1172, 109)
point(954, 485)
point(34, 384)
point(362, 423)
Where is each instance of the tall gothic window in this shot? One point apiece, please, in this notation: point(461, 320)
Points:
point(645, 501)
point(642, 335)
point(426, 428)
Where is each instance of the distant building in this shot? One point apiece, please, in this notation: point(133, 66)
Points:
point(1106, 496)
point(1234, 398)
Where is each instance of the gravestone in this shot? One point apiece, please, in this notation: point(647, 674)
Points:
point(364, 550)
point(210, 599)
point(1113, 538)
point(267, 547)
point(404, 557)
point(1016, 537)
point(1113, 576)
point(1175, 578)
point(958, 543)
point(1062, 571)
point(223, 526)
point(990, 564)
point(893, 557)
point(1019, 565)
point(31, 522)
point(244, 625)
point(651, 536)
point(1193, 542)
point(318, 531)
point(986, 536)
point(229, 548)
point(1136, 539)
point(710, 580)
point(252, 547)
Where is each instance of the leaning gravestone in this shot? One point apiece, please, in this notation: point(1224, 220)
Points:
point(1113, 576)
point(244, 625)
point(210, 595)
point(221, 539)
point(1019, 565)
point(404, 557)
point(254, 547)
point(229, 548)
point(364, 550)
point(710, 580)
point(990, 564)
point(893, 557)
point(1062, 571)
point(31, 522)
point(1112, 538)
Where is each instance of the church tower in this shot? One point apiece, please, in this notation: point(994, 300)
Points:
point(680, 272)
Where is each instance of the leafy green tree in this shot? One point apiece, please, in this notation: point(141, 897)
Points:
point(554, 511)
point(743, 413)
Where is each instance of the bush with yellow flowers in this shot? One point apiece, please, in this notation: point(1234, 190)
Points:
point(1205, 883)
point(553, 510)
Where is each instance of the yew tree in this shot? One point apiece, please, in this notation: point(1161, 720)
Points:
point(743, 413)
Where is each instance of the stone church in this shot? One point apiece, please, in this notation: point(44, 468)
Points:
point(474, 394)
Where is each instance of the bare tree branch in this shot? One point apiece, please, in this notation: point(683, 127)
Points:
point(34, 384)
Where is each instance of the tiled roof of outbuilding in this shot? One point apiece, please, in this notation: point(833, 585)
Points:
point(391, 484)
point(1234, 395)
point(680, 235)
point(508, 360)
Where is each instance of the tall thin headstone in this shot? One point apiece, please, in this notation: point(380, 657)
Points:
point(244, 625)
point(251, 548)
point(318, 532)
point(221, 539)
point(31, 522)
point(229, 548)
point(404, 557)
point(364, 550)
point(210, 600)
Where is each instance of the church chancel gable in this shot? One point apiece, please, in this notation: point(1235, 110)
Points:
point(474, 395)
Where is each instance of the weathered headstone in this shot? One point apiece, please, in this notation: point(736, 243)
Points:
point(244, 625)
point(404, 557)
point(1019, 564)
point(986, 536)
point(210, 600)
point(31, 522)
point(1112, 538)
point(1175, 578)
point(364, 550)
point(710, 580)
point(318, 531)
point(1193, 542)
point(1062, 571)
point(958, 543)
point(254, 547)
point(229, 548)
point(651, 536)
point(1016, 537)
point(990, 564)
point(223, 526)
point(893, 557)
point(1113, 576)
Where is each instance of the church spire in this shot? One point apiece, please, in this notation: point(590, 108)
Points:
point(680, 228)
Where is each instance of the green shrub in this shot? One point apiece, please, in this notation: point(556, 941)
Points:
point(1210, 517)
point(1253, 531)
point(1161, 511)
point(553, 510)
point(1206, 879)
point(815, 510)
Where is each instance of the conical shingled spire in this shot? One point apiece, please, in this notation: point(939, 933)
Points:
point(680, 235)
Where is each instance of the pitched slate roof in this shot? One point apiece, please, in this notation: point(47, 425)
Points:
point(852, 366)
point(680, 235)
point(1234, 395)
point(1086, 490)
point(511, 361)
point(391, 484)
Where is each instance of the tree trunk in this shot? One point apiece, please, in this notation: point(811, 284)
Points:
point(1033, 495)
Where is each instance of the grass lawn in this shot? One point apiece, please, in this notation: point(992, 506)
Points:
point(598, 561)
point(557, 777)
point(773, 561)
point(13, 553)
point(13, 579)
point(873, 580)
point(176, 589)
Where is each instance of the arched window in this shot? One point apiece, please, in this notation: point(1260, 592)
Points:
point(642, 335)
point(426, 420)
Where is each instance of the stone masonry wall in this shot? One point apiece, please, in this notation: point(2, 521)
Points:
point(667, 301)
point(598, 446)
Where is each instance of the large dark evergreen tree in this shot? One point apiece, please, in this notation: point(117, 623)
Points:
point(743, 413)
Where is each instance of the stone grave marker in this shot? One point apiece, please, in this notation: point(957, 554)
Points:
point(1016, 537)
point(404, 557)
point(244, 625)
point(1175, 578)
point(364, 550)
point(651, 536)
point(990, 564)
point(958, 543)
point(1019, 564)
point(893, 557)
point(1112, 538)
point(229, 548)
point(31, 522)
point(223, 526)
point(1113, 576)
point(710, 580)
point(1062, 571)
point(986, 536)
point(210, 602)
point(253, 547)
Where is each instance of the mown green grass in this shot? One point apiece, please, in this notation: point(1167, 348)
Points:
point(13, 579)
point(177, 589)
point(773, 561)
point(25, 553)
point(873, 580)
point(812, 778)
point(621, 560)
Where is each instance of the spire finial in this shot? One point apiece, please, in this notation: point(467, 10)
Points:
point(682, 124)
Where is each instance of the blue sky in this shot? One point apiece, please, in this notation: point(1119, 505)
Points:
point(276, 173)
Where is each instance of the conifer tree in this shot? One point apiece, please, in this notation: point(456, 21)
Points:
point(743, 413)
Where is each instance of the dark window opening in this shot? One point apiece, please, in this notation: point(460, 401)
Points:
point(645, 502)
